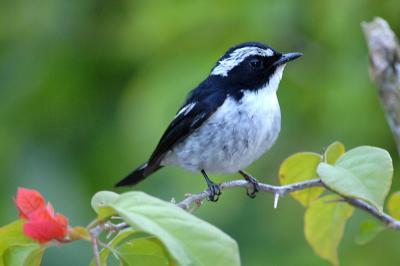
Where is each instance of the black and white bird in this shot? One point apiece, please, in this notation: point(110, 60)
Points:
point(228, 121)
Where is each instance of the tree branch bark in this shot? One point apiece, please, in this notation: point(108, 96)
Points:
point(384, 54)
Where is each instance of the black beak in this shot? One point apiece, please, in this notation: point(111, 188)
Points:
point(287, 58)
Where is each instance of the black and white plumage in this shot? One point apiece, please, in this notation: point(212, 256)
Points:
point(228, 121)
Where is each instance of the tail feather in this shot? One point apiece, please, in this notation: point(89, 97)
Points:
point(138, 175)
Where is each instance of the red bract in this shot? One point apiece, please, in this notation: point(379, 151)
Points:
point(42, 224)
point(27, 201)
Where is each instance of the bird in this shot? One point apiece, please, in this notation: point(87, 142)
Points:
point(227, 122)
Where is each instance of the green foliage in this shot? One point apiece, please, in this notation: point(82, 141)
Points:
point(100, 202)
point(16, 249)
point(178, 237)
point(188, 240)
point(364, 172)
point(324, 224)
point(369, 229)
point(23, 255)
point(131, 249)
point(333, 152)
point(111, 247)
point(301, 167)
point(102, 199)
point(143, 251)
point(394, 205)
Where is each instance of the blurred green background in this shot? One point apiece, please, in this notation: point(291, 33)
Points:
point(87, 88)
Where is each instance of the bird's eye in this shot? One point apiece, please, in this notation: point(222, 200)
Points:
point(255, 63)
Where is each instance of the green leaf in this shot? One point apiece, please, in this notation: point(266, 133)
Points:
point(369, 229)
point(102, 198)
point(324, 224)
point(301, 167)
point(333, 152)
point(13, 234)
point(364, 172)
point(189, 240)
point(99, 202)
point(118, 239)
point(394, 205)
point(23, 255)
point(143, 251)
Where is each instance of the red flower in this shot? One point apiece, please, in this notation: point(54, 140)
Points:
point(27, 201)
point(42, 224)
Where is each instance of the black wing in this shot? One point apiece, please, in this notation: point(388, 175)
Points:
point(201, 103)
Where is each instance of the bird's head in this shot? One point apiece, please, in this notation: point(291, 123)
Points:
point(252, 66)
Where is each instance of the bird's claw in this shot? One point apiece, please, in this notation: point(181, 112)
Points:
point(215, 192)
point(255, 187)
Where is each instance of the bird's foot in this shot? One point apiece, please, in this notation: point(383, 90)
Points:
point(253, 182)
point(255, 188)
point(215, 192)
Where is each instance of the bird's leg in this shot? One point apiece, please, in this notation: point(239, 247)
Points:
point(252, 181)
point(215, 190)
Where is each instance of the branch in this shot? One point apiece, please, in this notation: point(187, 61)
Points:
point(96, 231)
point(384, 54)
point(278, 191)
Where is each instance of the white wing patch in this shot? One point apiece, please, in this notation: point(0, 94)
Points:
point(236, 57)
point(186, 109)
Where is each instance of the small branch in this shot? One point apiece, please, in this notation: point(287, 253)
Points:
point(384, 54)
point(281, 191)
point(95, 233)
point(277, 190)
point(97, 230)
point(388, 220)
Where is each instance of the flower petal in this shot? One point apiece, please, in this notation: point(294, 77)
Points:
point(28, 201)
point(43, 226)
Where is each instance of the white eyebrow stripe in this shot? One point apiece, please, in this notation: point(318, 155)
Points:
point(186, 109)
point(236, 57)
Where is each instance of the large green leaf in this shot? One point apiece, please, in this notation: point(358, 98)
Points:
point(324, 224)
point(301, 167)
point(333, 152)
point(23, 255)
point(364, 172)
point(369, 229)
point(144, 252)
point(189, 240)
point(394, 205)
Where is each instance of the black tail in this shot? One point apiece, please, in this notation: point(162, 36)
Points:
point(138, 175)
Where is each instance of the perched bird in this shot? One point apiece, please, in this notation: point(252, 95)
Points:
point(228, 121)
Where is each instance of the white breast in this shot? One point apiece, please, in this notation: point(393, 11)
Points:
point(232, 138)
point(236, 135)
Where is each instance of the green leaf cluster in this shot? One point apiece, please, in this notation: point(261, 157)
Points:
point(161, 233)
point(16, 249)
point(364, 173)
